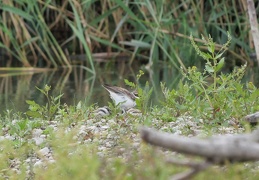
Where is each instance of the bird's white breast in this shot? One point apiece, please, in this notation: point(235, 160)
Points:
point(126, 101)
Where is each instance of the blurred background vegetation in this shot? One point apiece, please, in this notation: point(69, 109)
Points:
point(50, 34)
point(108, 41)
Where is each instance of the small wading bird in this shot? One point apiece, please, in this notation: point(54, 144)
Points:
point(105, 111)
point(134, 112)
point(121, 96)
point(102, 111)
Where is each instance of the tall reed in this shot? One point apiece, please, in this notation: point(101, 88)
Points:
point(47, 33)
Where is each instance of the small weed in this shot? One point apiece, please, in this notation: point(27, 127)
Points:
point(49, 110)
point(143, 94)
point(115, 109)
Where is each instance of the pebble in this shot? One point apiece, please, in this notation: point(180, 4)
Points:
point(9, 137)
point(44, 151)
point(89, 122)
point(38, 140)
point(2, 138)
point(38, 164)
point(36, 132)
point(105, 127)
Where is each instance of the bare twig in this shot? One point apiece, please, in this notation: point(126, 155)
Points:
point(195, 168)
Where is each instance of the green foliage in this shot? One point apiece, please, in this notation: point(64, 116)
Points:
point(143, 94)
point(27, 33)
point(73, 160)
point(9, 153)
point(180, 100)
point(144, 97)
point(79, 32)
point(154, 31)
point(49, 110)
point(214, 60)
point(115, 109)
point(18, 127)
point(212, 95)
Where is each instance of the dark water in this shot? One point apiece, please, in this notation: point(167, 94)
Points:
point(80, 85)
point(75, 85)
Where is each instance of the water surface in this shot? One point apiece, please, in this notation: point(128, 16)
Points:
point(80, 85)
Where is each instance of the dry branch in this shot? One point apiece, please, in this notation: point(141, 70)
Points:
point(218, 149)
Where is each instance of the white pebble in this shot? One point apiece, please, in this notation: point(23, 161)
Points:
point(2, 138)
point(105, 127)
point(36, 132)
point(44, 151)
point(38, 163)
point(38, 140)
point(9, 137)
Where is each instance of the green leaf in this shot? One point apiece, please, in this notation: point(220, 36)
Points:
point(30, 102)
point(79, 105)
point(209, 69)
point(140, 92)
point(211, 48)
point(17, 11)
point(23, 124)
point(34, 108)
point(41, 90)
point(131, 84)
point(58, 97)
point(53, 109)
point(136, 43)
point(33, 114)
point(206, 55)
point(219, 55)
point(220, 64)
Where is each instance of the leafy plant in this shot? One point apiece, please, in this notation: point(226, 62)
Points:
point(115, 109)
point(143, 94)
point(211, 94)
point(45, 112)
point(178, 101)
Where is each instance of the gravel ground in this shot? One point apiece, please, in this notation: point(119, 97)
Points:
point(111, 134)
